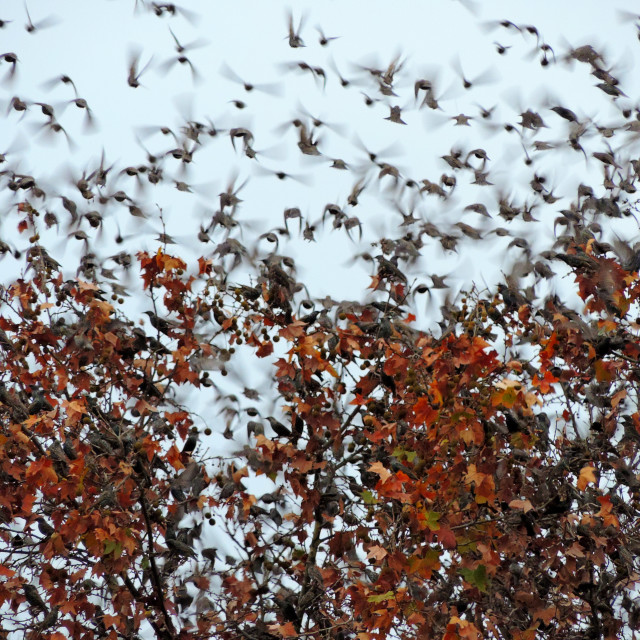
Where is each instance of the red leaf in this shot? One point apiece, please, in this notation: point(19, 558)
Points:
point(265, 349)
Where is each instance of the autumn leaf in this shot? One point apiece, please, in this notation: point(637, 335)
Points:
point(381, 470)
point(376, 552)
point(424, 413)
point(286, 630)
point(431, 520)
point(546, 615)
point(587, 476)
point(618, 397)
point(604, 371)
point(368, 497)
point(476, 577)
point(204, 266)
point(507, 393)
point(460, 628)
point(389, 595)
point(525, 505)
point(447, 538)
point(265, 349)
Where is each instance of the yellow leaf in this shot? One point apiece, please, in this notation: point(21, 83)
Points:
point(389, 595)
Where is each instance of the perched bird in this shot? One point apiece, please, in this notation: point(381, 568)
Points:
point(389, 270)
point(33, 597)
point(279, 428)
point(165, 326)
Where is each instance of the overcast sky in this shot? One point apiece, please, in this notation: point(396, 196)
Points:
point(93, 43)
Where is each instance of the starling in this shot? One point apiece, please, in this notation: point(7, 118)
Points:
point(279, 428)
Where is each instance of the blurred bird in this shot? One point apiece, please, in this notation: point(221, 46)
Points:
point(295, 41)
point(32, 27)
point(134, 74)
point(273, 88)
point(395, 115)
point(324, 40)
point(12, 59)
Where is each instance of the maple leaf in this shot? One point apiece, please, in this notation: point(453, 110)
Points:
point(605, 371)
point(381, 470)
point(587, 476)
point(286, 630)
point(525, 505)
point(431, 520)
point(376, 552)
point(265, 349)
point(382, 597)
point(476, 577)
point(294, 330)
point(205, 266)
point(447, 538)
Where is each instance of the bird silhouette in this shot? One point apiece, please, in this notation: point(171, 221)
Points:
point(295, 41)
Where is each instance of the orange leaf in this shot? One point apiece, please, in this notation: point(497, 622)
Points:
point(575, 551)
point(377, 552)
point(109, 619)
point(447, 538)
point(204, 266)
point(43, 469)
point(587, 476)
point(546, 615)
point(525, 505)
point(425, 414)
point(620, 395)
point(173, 458)
point(293, 330)
point(604, 371)
point(379, 468)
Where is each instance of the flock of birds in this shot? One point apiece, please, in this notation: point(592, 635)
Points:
point(422, 211)
point(468, 206)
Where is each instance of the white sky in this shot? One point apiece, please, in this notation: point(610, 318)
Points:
point(92, 43)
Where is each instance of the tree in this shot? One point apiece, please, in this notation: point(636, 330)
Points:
point(473, 479)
